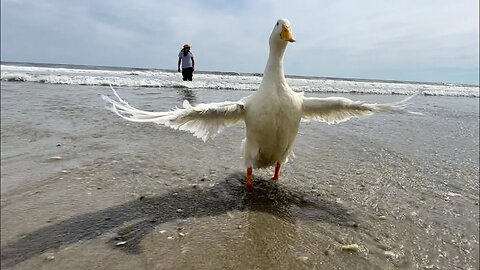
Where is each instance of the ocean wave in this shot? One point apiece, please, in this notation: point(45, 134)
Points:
point(221, 80)
point(14, 78)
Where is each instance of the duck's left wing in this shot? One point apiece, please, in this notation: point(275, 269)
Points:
point(334, 110)
point(204, 121)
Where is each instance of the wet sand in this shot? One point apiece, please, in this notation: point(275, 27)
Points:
point(403, 187)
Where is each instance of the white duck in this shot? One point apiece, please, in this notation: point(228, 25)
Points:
point(272, 114)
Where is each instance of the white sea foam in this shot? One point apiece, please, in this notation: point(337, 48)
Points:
point(215, 80)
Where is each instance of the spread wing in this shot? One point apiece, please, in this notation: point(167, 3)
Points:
point(334, 110)
point(204, 121)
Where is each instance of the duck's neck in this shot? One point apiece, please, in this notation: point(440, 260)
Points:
point(274, 69)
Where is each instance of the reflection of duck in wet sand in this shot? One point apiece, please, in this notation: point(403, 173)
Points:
point(272, 114)
point(136, 219)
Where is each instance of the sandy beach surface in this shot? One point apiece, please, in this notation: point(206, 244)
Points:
point(84, 189)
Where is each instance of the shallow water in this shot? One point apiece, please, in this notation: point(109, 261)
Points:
point(403, 187)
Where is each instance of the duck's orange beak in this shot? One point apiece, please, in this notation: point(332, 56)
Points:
point(287, 34)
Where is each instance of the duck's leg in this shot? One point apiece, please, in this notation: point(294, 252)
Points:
point(248, 183)
point(276, 176)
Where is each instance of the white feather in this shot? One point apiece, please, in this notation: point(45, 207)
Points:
point(203, 120)
point(334, 110)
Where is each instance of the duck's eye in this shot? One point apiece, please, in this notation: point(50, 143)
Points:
point(277, 23)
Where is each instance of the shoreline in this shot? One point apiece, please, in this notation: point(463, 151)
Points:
point(233, 73)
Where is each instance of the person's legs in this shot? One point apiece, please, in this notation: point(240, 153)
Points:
point(184, 74)
point(190, 74)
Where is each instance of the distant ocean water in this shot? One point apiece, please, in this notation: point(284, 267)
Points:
point(140, 77)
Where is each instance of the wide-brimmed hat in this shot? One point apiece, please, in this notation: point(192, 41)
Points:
point(186, 45)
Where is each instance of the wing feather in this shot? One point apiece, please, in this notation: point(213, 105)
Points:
point(334, 110)
point(204, 121)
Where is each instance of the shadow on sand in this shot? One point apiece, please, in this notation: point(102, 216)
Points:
point(267, 197)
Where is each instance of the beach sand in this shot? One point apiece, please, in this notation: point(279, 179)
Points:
point(84, 189)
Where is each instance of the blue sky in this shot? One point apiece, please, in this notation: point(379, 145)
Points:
point(428, 40)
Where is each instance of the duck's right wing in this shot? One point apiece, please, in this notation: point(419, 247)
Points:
point(204, 121)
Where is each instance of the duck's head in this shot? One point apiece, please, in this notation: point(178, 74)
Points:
point(282, 32)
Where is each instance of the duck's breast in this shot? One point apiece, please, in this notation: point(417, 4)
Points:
point(272, 123)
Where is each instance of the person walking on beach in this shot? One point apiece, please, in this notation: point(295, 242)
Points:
point(188, 63)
